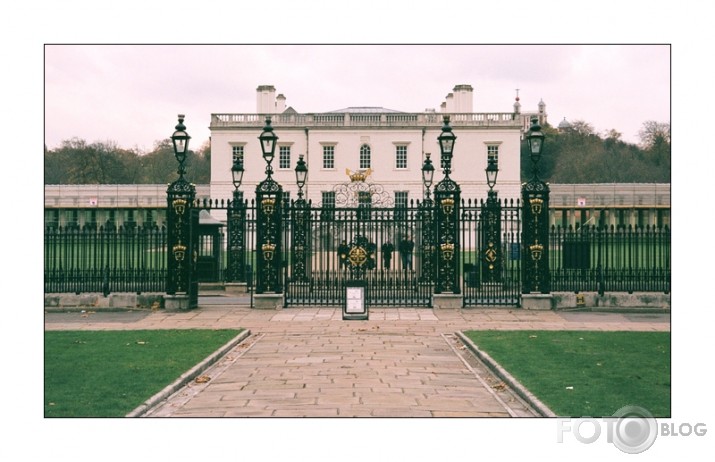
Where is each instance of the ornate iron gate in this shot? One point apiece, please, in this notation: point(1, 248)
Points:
point(491, 253)
point(330, 246)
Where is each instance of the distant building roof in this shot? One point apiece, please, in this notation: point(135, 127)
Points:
point(564, 125)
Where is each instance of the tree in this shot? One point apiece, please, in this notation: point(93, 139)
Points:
point(582, 128)
point(654, 133)
point(655, 141)
point(580, 155)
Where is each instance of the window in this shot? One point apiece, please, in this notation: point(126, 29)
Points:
point(493, 152)
point(284, 157)
point(149, 218)
point(400, 156)
point(237, 152)
point(328, 157)
point(401, 199)
point(328, 212)
point(400, 204)
point(328, 198)
point(285, 198)
point(364, 156)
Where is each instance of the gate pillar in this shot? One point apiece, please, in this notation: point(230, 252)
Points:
point(182, 231)
point(447, 203)
point(237, 241)
point(269, 195)
point(536, 279)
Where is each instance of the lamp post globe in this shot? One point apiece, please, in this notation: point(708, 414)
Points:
point(180, 139)
point(427, 172)
point(301, 174)
point(535, 138)
point(268, 142)
point(446, 145)
point(237, 173)
point(492, 171)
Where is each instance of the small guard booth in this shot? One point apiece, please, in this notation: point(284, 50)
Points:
point(209, 254)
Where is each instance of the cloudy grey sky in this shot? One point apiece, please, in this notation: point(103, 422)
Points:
point(131, 93)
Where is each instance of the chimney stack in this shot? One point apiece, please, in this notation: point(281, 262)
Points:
point(266, 99)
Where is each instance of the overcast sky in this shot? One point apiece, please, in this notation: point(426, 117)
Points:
point(131, 94)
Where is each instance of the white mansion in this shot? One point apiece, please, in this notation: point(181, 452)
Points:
point(391, 144)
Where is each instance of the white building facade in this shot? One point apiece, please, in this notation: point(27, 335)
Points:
point(390, 145)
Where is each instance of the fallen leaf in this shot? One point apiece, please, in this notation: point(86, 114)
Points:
point(141, 342)
point(499, 386)
point(532, 336)
point(202, 379)
point(569, 388)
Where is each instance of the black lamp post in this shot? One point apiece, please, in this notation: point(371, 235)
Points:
point(535, 140)
point(491, 251)
point(180, 139)
point(301, 214)
point(301, 175)
point(447, 196)
point(269, 195)
point(268, 145)
point(237, 174)
point(446, 146)
point(181, 218)
point(237, 227)
point(535, 212)
point(427, 222)
point(427, 175)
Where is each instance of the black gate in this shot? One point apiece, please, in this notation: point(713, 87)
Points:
point(491, 253)
point(382, 246)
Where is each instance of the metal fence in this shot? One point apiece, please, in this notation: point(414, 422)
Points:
point(316, 249)
point(108, 259)
point(610, 259)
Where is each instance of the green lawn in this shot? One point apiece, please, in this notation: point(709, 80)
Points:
point(586, 373)
point(110, 373)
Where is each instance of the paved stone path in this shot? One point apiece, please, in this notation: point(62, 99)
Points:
point(310, 363)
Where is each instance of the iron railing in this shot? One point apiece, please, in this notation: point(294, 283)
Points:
point(108, 259)
point(610, 259)
point(584, 259)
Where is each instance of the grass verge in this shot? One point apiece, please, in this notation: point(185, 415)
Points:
point(109, 373)
point(586, 373)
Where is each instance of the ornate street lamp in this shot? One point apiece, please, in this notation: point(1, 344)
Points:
point(492, 171)
point(301, 214)
point(181, 218)
point(427, 174)
point(301, 175)
point(427, 222)
point(447, 196)
point(180, 139)
point(446, 146)
point(237, 227)
point(237, 174)
point(269, 225)
point(535, 140)
point(268, 145)
point(491, 254)
point(536, 277)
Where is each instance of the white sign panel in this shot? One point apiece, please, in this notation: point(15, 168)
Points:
point(355, 300)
